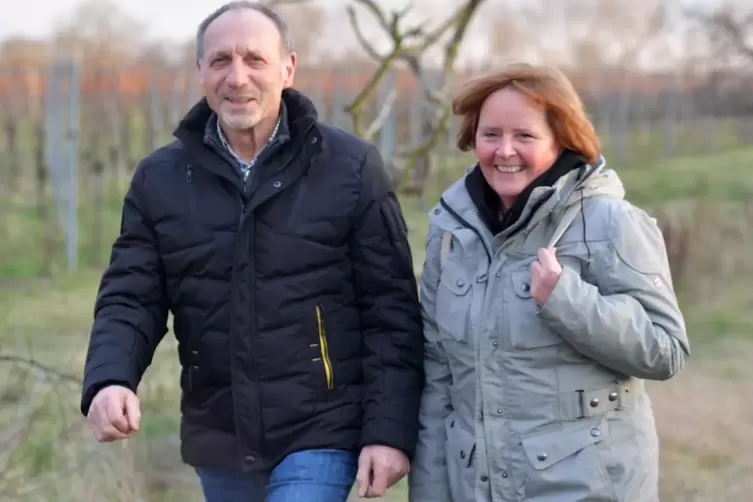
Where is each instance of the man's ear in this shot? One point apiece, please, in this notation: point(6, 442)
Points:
point(200, 69)
point(288, 70)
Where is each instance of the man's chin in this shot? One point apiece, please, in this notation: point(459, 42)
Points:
point(240, 122)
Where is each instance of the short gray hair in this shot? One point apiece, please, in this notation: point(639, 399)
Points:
point(279, 22)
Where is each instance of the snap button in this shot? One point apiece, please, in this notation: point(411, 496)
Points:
point(541, 457)
point(460, 283)
point(481, 278)
point(613, 396)
point(595, 432)
point(462, 453)
point(277, 184)
point(504, 474)
point(594, 402)
point(486, 478)
point(437, 211)
point(526, 287)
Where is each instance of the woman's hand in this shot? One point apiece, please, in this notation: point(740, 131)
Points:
point(545, 272)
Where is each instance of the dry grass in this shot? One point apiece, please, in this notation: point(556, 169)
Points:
point(705, 421)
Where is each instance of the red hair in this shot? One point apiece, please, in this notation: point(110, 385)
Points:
point(548, 88)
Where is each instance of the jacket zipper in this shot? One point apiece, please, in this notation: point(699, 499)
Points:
point(324, 349)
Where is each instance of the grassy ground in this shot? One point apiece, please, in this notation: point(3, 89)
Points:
point(703, 415)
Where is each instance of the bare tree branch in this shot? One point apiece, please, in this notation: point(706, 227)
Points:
point(360, 38)
point(409, 45)
point(36, 365)
point(384, 114)
point(728, 29)
point(461, 21)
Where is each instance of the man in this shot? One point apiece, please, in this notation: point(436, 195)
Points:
point(278, 244)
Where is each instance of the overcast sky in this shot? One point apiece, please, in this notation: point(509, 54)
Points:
point(166, 19)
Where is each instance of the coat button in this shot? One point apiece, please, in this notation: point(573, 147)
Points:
point(595, 432)
point(495, 344)
point(613, 396)
point(541, 457)
point(594, 402)
point(486, 478)
point(462, 453)
point(504, 474)
point(526, 287)
point(460, 283)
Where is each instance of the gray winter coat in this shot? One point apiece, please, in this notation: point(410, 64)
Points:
point(545, 404)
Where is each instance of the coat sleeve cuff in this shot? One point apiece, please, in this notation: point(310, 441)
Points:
point(105, 376)
point(389, 433)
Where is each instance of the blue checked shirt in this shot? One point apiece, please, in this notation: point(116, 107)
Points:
point(246, 166)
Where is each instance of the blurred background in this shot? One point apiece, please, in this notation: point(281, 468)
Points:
point(88, 89)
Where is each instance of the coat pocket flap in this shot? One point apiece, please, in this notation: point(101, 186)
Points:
point(454, 280)
point(546, 449)
point(521, 282)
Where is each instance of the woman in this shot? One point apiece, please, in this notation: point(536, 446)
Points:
point(536, 357)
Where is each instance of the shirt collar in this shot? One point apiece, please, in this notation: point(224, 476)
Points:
point(227, 146)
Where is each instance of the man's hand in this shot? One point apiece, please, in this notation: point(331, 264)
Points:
point(114, 414)
point(380, 467)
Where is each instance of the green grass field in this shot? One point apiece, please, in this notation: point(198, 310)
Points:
point(704, 416)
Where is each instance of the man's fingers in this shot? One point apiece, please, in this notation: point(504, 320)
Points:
point(363, 477)
point(133, 412)
point(109, 433)
point(380, 482)
point(115, 417)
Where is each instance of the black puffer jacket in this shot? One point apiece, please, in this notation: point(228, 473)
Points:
point(295, 306)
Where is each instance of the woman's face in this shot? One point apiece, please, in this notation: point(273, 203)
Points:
point(514, 143)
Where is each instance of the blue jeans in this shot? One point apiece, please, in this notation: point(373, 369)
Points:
point(304, 476)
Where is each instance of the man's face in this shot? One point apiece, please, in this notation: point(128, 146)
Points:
point(244, 68)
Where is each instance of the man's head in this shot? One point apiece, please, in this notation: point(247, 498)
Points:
point(245, 60)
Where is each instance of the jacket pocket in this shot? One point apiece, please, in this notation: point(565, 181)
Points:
point(453, 303)
point(460, 454)
point(565, 464)
point(324, 349)
point(526, 331)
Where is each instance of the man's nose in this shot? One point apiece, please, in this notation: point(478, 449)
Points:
point(237, 77)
